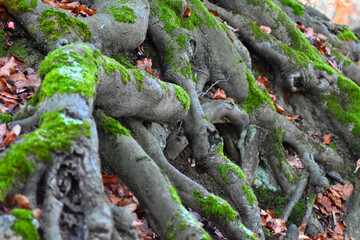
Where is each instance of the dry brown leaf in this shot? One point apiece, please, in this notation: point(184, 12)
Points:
point(21, 200)
point(187, 12)
point(145, 65)
point(219, 94)
point(357, 166)
point(9, 68)
point(265, 29)
point(348, 189)
point(296, 117)
point(37, 213)
point(327, 138)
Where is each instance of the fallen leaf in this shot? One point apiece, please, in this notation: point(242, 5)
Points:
point(21, 200)
point(357, 166)
point(327, 139)
point(348, 189)
point(37, 213)
point(219, 94)
point(296, 117)
point(187, 12)
point(265, 29)
point(145, 65)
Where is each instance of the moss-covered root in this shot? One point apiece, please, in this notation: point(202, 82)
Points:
point(23, 224)
point(234, 183)
point(168, 216)
point(113, 18)
point(193, 195)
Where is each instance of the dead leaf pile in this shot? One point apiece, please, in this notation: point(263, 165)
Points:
point(294, 160)
point(331, 211)
point(317, 39)
point(17, 83)
point(8, 136)
point(18, 201)
point(275, 225)
point(120, 195)
point(75, 8)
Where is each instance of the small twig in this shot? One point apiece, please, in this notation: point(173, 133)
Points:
point(203, 93)
point(342, 62)
point(294, 199)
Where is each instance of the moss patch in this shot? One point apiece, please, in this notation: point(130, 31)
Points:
point(347, 35)
point(229, 166)
point(250, 195)
point(174, 194)
point(215, 206)
point(21, 5)
point(23, 225)
point(182, 96)
point(56, 132)
point(56, 24)
point(123, 14)
point(298, 8)
point(5, 118)
point(256, 98)
point(112, 126)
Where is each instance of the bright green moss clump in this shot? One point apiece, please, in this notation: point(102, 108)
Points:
point(56, 132)
point(215, 206)
point(174, 194)
point(5, 118)
point(298, 8)
point(21, 5)
point(182, 96)
point(255, 98)
point(56, 24)
point(23, 225)
point(229, 166)
point(112, 126)
point(347, 35)
point(250, 194)
point(123, 14)
point(68, 70)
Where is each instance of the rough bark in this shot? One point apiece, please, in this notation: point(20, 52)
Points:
point(75, 120)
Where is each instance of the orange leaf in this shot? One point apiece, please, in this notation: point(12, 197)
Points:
point(11, 136)
point(215, 13)
point(279, 109)
point(187, 12)
point(22, 200)
point(219, 94)
point(265, 29)
point(37, 213)
point(327, 139)
point(110, 179)
point(146, 65)
point(357, 166)
point(296, 117)
point(348, 189)
point(230, 99)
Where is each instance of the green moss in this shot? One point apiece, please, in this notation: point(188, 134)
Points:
point(229, 166)
point(139, 78)
point(325, 67)
point(56, 132)
point(174, 194)
point(215, 206)
point(347, 35)
point(68, 70)
point(181, 40)
point(21, 5)
point(182, 96)
point(297, 214)
point(247, 232)
point(207, 119)
point(112, 126)
point(123, 61)
point(298, 8)
point(123, 14)
point(250, 195)
point(5, 118)
point(333, 146)
point(346, 106)
point(255, 98)
point(23, 225)
point(56, 24)
point(169, 55)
